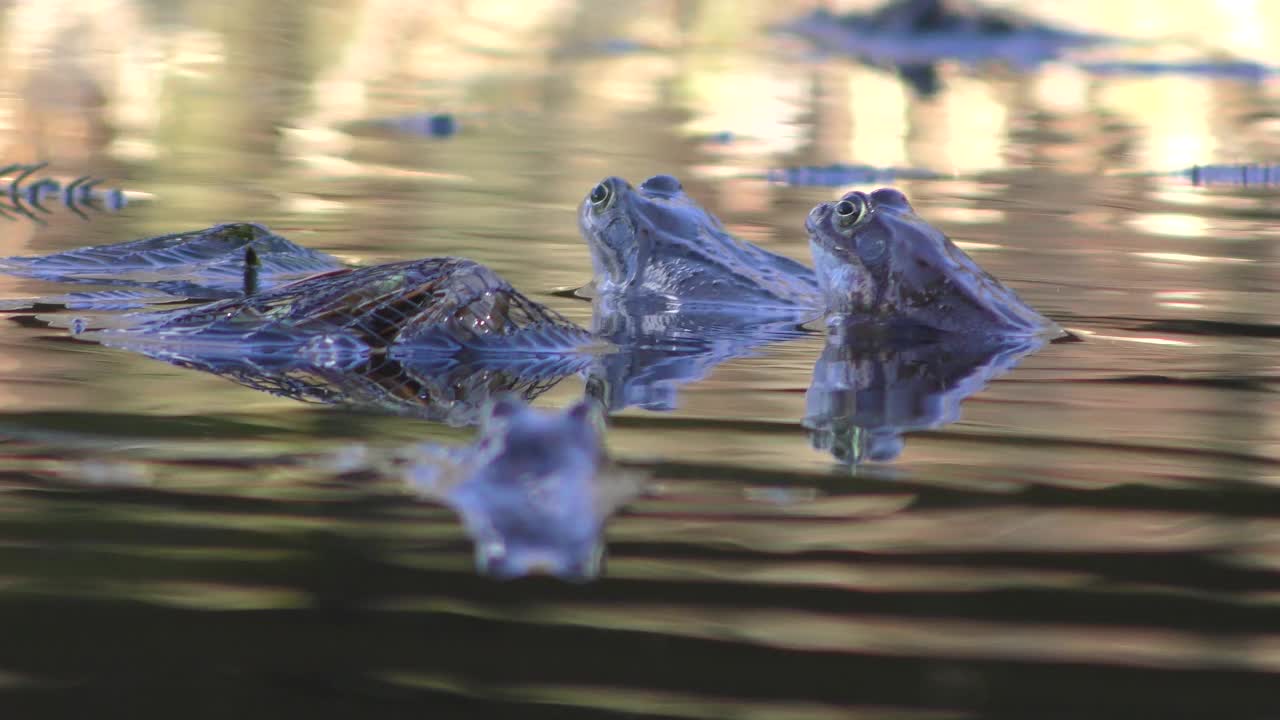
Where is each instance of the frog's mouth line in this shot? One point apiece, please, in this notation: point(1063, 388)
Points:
point(822, 236)
point(609, 255)
point(615, 262)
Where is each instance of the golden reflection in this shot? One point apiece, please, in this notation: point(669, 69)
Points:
point(1173, 257)
point(888, 635)
point(968, 245)
point(1171, 111)
point(976, 123)
point(967, 215)
point(1171, 224)
point(207, 596)
point(1062, 89)
point(878, 107)
point(1004, 529)
point(716, 90)
point(1167, 342)
point(637, 701)
point(869, 578)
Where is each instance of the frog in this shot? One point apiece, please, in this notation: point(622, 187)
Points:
point(654, 249)
point(438, 306)
point(533, 492)
point(882, 265)
point(432, 338)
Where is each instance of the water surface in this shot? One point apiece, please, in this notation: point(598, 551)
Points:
point(1097, 536)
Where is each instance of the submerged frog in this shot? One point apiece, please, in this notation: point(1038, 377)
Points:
point(436, 306)
point(432, 338)
point(534, 493)
point(655, 244)
point(881, 264)
point(222, 261)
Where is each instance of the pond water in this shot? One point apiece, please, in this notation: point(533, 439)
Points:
point(1098, 535)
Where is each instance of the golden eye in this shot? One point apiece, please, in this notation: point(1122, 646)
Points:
point(600, 195)
point(850, 210)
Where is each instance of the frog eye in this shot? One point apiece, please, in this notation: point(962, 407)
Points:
point(850, 210)
point(601, 195)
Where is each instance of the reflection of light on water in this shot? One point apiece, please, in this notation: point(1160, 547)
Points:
point(447, 44)
point(846, 633)
point(1188, 258)
point(976, 125)
point(1240, 26)
point(208, 595)
point(967, 215)
point(298, 203)
point(878, 106)
point(1180, 194)
point(196, 53)
point(745, 195)
point(749, 98)
point(635, 82)
point(1167, 342)
point(961, 196)
point(1061, 89)
point(1173, 114)
point(1180, 299)
point(1173, 224)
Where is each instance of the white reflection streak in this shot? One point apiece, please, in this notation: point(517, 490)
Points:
point(1171, 224)
point(1168, 342)
point(1188, 258)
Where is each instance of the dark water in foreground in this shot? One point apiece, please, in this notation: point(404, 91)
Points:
point(1099, 535)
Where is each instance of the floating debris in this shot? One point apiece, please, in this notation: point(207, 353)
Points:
point(19, 200)
point(431, 125)
point(837, 175)
point(1233, 175)
point(1231, 69)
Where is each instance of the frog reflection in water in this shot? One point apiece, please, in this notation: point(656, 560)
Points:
point(865, 395)
point(879, 263)
point(534, 493)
